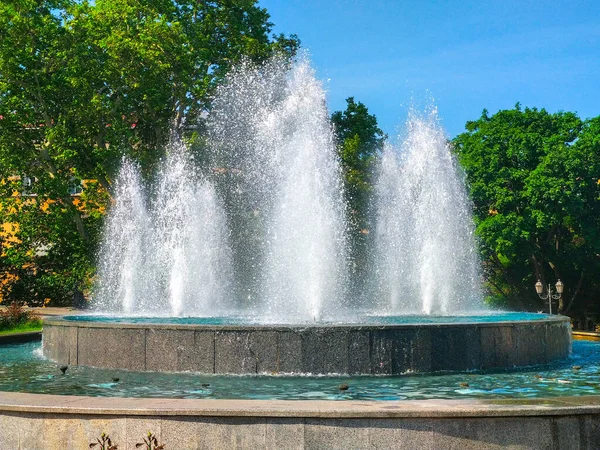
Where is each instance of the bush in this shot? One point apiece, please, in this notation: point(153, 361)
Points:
point(16, 315)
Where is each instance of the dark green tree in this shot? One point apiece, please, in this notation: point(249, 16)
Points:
point(359, 142)
point(81, 85)
point(533, 178)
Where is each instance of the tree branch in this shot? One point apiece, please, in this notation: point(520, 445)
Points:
point(575, 293)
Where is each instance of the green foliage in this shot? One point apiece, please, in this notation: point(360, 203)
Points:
point(31, 326)
point(533, 178)
point(103, 443)
point(150, 443)
point(359, 141)
point(81, 85)
point(15, 318)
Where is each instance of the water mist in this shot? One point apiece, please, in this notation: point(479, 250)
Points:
point(425, 249)
point(271, 124)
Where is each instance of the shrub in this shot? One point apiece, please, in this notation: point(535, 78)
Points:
point(14, 315)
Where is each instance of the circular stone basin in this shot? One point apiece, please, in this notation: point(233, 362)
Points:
point(373, 346)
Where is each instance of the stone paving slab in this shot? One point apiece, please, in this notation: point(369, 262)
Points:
point(17, 401)
point(45, 422)
point(51, 311)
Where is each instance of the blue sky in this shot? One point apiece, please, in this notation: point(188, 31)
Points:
point(465, 55)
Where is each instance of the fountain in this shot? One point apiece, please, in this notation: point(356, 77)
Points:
point(424, 234)
point(236, 262)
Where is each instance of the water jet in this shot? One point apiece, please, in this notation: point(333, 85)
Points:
point(239, 264)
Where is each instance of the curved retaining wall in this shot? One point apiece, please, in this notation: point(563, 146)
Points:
point(347, 349)
point(48, 422)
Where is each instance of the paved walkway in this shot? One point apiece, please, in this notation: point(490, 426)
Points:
point(50, 311)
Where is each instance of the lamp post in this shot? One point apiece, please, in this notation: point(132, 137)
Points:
point(550, 294)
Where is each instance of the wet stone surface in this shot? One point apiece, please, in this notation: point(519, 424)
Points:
point(386, 349)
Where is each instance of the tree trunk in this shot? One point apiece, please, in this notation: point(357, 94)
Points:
point(577, 289)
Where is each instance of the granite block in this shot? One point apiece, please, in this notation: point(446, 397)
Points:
point(531, 345)
point(179, 350)
point(456, 349)
point(458, 435)
point(334, 434)
point(202, 359)
point(233, 353)
point(312, 351)
point(51, 340)
point(137, 428)
point(514, 432)
point(359, 356)
point(566, 339)
point(183, 433)
point(10, 430)
point(170, 350)
point(334, 345)
point(60, 344)
point(484, 434)
point(440, 351)
point(284, 433)
point(72, 339)
point(401, 350)
point(558, 341)
point(498, 347)
point(264, 347)
point(589, 431)
point(404, 434)
point(289, 355)
point(567, 433)
point(198, 433)
point(471, 342)
point(381, 352)
point(488, 347)
point(44, 432)
point(112, 348)
point(421, 350)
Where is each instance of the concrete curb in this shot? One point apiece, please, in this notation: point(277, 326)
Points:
point(118, 406)
point(45, 422)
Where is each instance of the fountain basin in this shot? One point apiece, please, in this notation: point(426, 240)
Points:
point(378, 346)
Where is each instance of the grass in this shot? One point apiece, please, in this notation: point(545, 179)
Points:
point(32, 325)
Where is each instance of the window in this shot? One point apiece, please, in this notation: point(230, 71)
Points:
point(75, 187)
point(27, 184)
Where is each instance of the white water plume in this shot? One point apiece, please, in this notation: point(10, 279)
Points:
point(273, 123)
point(425, 248)
point(172, 257)
point(122, 253)
point(256, 226)
point(192, 251)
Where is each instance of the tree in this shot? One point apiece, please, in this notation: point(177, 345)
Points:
point(83, 84)
point(359, 141)
point(533, 178)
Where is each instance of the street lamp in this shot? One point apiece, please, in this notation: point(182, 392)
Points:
point(550, 295)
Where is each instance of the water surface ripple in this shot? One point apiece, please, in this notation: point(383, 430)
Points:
point(23, 369)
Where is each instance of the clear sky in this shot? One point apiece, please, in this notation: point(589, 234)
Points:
point(465, 55)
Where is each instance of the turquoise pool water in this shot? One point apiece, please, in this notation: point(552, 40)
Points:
point(24, 369)
point(494, 316)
